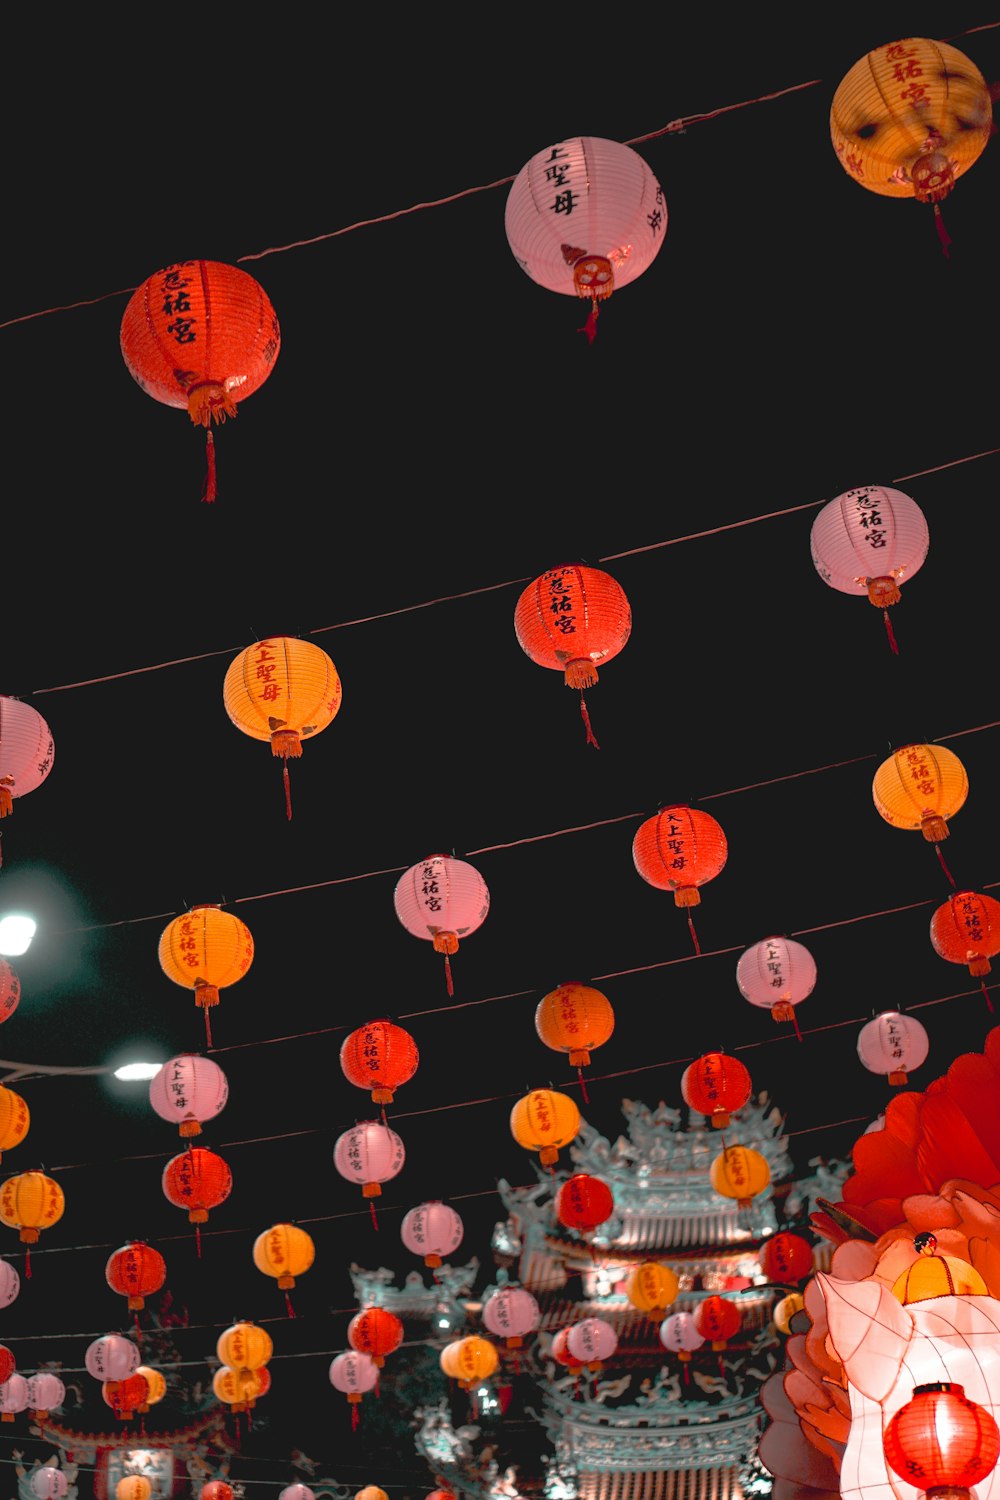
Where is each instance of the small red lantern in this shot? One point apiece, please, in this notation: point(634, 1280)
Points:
point(583, 1202)
point(717, 1319)
point(375, 1331)
point(197, 1180)
point(940, 1441)
point(715, 1085)
point(125, 1396)
point(216, 1489)
point(8, 1364)
point(379, 1056)
point(679, 849)
point(786, 1257)
point(136, 1271)
point(561, 1353)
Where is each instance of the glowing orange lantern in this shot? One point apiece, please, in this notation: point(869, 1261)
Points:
point(31, 1202)
point(133, 1487)
point(10, 990)
point(679, 849)
point(244, 1346)
point(203, 336)
point(544, 1121)
point(14, 1119)
point(940, 1441)
point(740, 1173)
point(573, 619)
point(718, 1320)
point(786, 1257)
point(652, 1287)
point(475, 1360)
point(239, 1389)
point(375, 1331)
point(26, 751)
point(136, 1271)
point(371, 1492)
point(284, 1251)
point(714, 1085)
point(156, 1386)
point(584, 1202)
point(575, 1018)
point(379, 1056)
point(920, 786)
point(197, 1180)
point(285, 691)
point(206, 949)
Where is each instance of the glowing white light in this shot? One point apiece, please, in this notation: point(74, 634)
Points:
point(129, 1071)
point(16, 933)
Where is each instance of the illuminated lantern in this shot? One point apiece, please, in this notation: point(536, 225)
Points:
point(561, 1352)
point(448, 1359)
point(8, 1364)
point(353, 1374)
point(369, 1154)
point(188, 1090)
point(13, 1397)
point(869, 541)
point(239, 1389)
point(583, 1202)
point(442, 899)
point(585, 216)
point(593, 1341)
point(284, 1251)
point(216, 1489)
point(573, 619)
point(379, 1056)
point(965, 929)
point(777, 974)
point(511, 1313)
point(680, 1335)
point(679, 849)
point(934, 1275)
point(10, 1283)
point(714, 1085)
point(49, 1483)
point(29, 1203)
point(156, 1386)
point(371, 1492)
point(475, 1360)
point(740, 1173)
point(133, 1487)
point(136, 1271)
point(112, 1357)
point(244, 1346)
point(201, 336)
point(297, 1492)
point(432, 1230)
point(651, 1287)
point(940, 1441)
point(544, 1121)
point(910, 118)
point(285, 691)
point(920, 786)
point(125, 1396)
point(718, 1320)
point(26, 751)
point(197, 1180)
point(206, 950)
point(14, 1119)
point(785, 1310)
point(10, 990)
point(46, 1393)
point(575, 1018)
point(375, 1331)
point(893, 1044)
point(786, 1257)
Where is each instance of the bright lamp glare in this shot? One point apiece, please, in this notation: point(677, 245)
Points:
point(133, 1070)
point(16, 934)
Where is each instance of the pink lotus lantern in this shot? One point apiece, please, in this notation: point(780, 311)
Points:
point(112, 1357)
point(369, 1153)
point(188, 1090)
point(432, 1230)
point(442, 899)
point(26, 751)
point(869, 540)
point(584, 217)
point(13, 1397)
point(893, 1044)
point(353, 1373)
point(592, 1341)
point(679, 1334)
point(777, 974)
point(511, 1313)
point(10, 1283)
point(49, 1483)
point(46, 1393)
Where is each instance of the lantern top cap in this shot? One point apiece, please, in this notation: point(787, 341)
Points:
point(208, 906)
point(931, 1386)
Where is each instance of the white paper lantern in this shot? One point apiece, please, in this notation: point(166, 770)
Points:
point(511, 1312)
point(893, 1044)
point(369, 1154)
point(49, 1483)
point(679, 1333)
point(442, 899)
point(870, 540)
point(297, 1492)
point(592, 1341)
point(432, 1230)
point(188, 1090)
point(584, 217)
point(10, 1283)
point(46, 1393)
point(13, 1397)
point(776, 974)
point(26, 751)
point(112, 1357)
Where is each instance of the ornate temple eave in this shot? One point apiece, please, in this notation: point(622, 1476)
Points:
point(618, 1445)
point(662, 1484)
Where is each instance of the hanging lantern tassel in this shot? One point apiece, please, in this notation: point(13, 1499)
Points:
point(583, 1085)
point(6, 799)
point(354, 1397)
point(371, 1191)
point(941, 861)
point(593, 278)
point(206, 995)
point(207, 402)
point(785, 1012)
point(582, 674)
point(287, 744)
point(694, 935)
point(197, 1217)
point(208, 489)
point(446, 943)
point(943, 234)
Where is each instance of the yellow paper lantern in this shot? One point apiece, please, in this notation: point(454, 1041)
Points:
point(785, 1310)
point(575, 1018)
point(740, 1173)
point(285, 691)
point(133, 1487)
point(244, 1346)
point(920, 786)
point(284, 1251)
point(543, 1121)
point(652, 1287)
point(239, 1389)
point(14, 1118)
point(30, 1202)
point(475, 1359)
point(448, 1359)
point(156, 1386)
point(206, 949)
point(934, 1275)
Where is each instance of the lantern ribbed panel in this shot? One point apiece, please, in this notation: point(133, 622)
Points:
point(714, 1083)
point(544, 1118)
point(379, 1056)
point(432, 1228)
point(890, 102)
point(679, 1333)
point(375, 1331)
point(206, 944)
point(574, 1018)
point(592, 1340)
point(918, 782)
point(651, 1287)
point(188, 1088)
point(282, 683)
point(10, 990)
point(941, 1439)
point(112, 1357)
point(868, 532)
point(966, 928)
point(593, 197)
point(244, 1346)
point(136, 1270)
point(14, 1395)
point(572, 613)
point(14, 1118)
point(283, 1250)
point(740, 1172)
point(511, 1312)
point(369, 1153)
point(583, 1202)
point(679, 847)
point(786, 1257)
point(197, 1180)
point(441, 894)
point(892, 1043)
point(776, 971)
point(31, 1201)
point(717, 1318)
point(353, 1372)
point(26, 747)
point(46, 1392)
point(197, 323)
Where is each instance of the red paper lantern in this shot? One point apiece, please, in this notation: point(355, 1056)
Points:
point(583, 1202)
point(679, 849)
point(136, 1271)
point(717, 1319)
point(940, 1440)
point(786, 1257)
point(216, 1489)
point(203, 336)
point(125, 1396)
point(10, 990)
point(379, 1056)
point(197, 1180)
point(561, 1353)
point(8, 1364)
point(715, 1085)
point(375, 1331)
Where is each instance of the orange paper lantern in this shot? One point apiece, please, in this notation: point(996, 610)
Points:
point(678, 849)
point(216, 1489)
point(10, 990)
point(940, 1441)
point(29, 1203)
point(575, 1018)
point(786, 1257)
point(740, 1173)
point(206, 949)
point(244, 1346)
point(652, 1287)
point(544, 1121)
point(284, 1251)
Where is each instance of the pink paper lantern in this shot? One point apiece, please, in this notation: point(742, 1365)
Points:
point(679, 1334)
point(870, 540)
point(369, 1154)
point(893, 1044)
point(511, 1313)
point(49, 1483)
point(13, 1397)
point(112, 1357)
point(584, 217)
point(188, 1090)
point(442, 899)
point(432, 1230)
point(46, 1392)
point(26, 751)
point(592, 1341)
point(777, 974)
point(353, 1373)
point(297, 1492)
point(10, 1283)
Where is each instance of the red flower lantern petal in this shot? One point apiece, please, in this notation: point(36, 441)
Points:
point(715, 1085)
